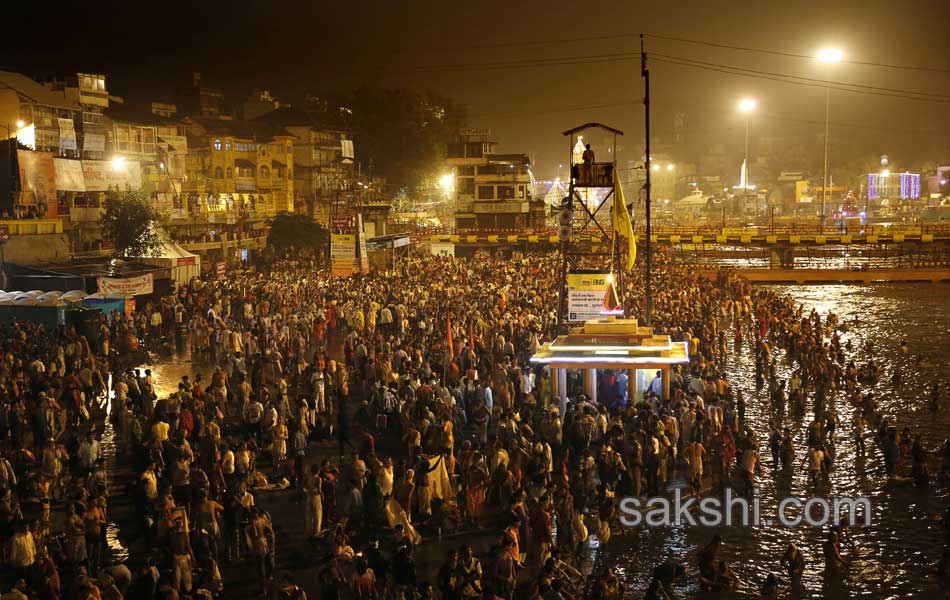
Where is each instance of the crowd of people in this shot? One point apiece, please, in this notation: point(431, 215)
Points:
point(401, 407)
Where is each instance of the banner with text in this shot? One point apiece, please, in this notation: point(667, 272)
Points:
point(101, 175)
point(127, 286)
point(585, 295)
point(69, 175)
point(67, 135)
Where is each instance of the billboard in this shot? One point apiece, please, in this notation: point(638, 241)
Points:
point(37, 177)
point(585, 295)
point(342, 254)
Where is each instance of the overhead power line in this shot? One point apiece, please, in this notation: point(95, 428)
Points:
point(825, 82)
point(791, 80)
point(793, 55)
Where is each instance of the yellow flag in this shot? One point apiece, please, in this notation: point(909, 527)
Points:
point(622, 223)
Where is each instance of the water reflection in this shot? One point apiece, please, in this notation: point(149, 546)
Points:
point(897, 554)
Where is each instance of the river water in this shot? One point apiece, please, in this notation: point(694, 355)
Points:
point(897, 555)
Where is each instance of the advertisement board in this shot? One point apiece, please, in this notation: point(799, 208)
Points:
point(37, 177)
point(585, 295)
point(342, 254)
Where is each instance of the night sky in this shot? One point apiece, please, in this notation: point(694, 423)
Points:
point(146, 48)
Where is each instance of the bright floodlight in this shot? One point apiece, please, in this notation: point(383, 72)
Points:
point(118, 163)
point(447, 182)
point(669, 167)
point(747, 105)
point(830, 55)
point(20, 124)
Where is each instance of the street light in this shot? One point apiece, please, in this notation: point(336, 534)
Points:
point(827, 56)
point(447, 182)
point(746, 106)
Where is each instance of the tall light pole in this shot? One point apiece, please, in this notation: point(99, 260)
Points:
point(746, 107)
point(828, 56)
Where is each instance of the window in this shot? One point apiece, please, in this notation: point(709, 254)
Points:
point(486, 192)
point(227, 146)
point(217, 173)
point(230, 172)
point(217, 144)
point(506, 192)
point(264, 171)
point(464, 170)
point(466, 186)
point(521, 191)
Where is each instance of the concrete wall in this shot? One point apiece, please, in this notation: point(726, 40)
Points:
point(32, 249)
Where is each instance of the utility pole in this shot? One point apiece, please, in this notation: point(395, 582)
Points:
point(645, 73)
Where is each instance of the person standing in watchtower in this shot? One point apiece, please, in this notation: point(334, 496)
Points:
point(588, 158)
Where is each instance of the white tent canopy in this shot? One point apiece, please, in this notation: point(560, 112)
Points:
point(183, 264)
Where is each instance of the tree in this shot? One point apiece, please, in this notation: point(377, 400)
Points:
point(397, 133)
point(128, 223)
point(290, 230)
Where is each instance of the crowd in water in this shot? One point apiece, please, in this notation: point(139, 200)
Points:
point(419, 377)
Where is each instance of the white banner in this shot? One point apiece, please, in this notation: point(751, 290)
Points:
point(100, 175)
point(94, 142)
point(127, 286)
point(69, 175)
point(67, 135)
point(346, 148)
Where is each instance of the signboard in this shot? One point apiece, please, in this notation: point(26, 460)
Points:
point(442, 249)
point(585, 295)
point(364, 255)
point(37, 177)
point(94, 142)
point(220, 269)
point(186, 260)
point(342, 222)
point(127, 286)
point(101, 175)
point(342, 254)
point(69, 175)
point(346, 148)
point(67, 135)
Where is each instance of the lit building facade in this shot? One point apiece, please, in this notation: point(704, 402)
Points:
point(492, 191)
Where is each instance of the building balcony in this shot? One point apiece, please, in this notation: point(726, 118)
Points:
point(79, 214)
point(31, 226)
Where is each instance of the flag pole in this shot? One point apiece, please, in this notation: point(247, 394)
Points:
point(645, 73)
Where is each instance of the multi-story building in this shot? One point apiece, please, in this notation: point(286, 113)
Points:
point(241, 169)
point(90, 92)
point(323, 161)
point(42, 118)
point(492, 191)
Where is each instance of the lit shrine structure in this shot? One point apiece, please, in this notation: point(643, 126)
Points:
point(611, 344)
